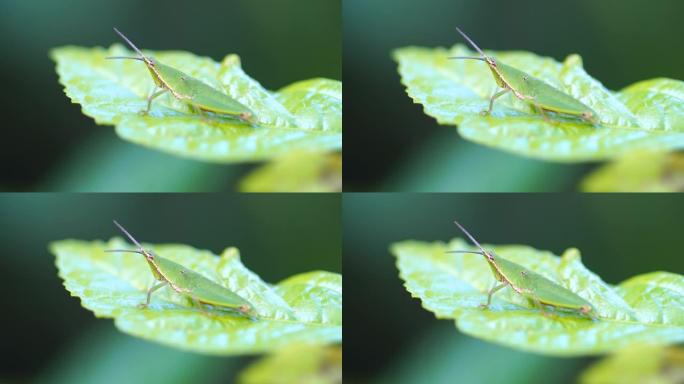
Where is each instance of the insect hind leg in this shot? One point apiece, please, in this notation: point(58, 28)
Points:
point(203, 115)
point(201, 307)
point(536, 302)
point(540, 110)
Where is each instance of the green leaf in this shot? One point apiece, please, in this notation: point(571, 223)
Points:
point(297, 364)
point(639, 364)
point(639, 172)
point(306, 115)
point(297, 172)
point(645, 308)
point(305, 308)
point(648, 115)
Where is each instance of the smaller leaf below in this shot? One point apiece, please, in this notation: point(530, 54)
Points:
point(639, 172)
point(637, 365)
point(297, 364)
point(297, 172)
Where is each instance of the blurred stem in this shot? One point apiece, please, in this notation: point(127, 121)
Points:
point(105, 163)
point(103, 355)
point(444, 356)
point(446, 163)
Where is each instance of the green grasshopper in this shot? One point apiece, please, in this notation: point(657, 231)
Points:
point(530, 89)
point(188, 283)
point(536, 288)
point(198, 95)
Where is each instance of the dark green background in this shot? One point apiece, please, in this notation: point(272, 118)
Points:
point(391, 145)
point(48, 336)
point(48, 144)
point(389, 338)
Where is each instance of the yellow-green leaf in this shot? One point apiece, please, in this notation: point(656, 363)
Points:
point(304, 364)
point(305, 308)
point(306, 115)
point(645, 308)
point(648, 115)
point(639, 364)
point(297, 172)
point(639, 172)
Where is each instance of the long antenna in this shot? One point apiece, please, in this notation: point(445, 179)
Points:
point(459, 31)
point(470, 236)
point(136, 48)
point(473, 252)
point(452, 57)
point(124, 57)
point(125, 250)
point(129, 235)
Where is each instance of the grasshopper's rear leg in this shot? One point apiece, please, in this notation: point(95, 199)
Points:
point(203, 115)
point(491, 101)
point(152, 96)
point(199, 305)
point(540, 110)
point(538, 304)
point(199, 111)
point(491, 292)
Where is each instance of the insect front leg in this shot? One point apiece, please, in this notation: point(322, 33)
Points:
point(491, 292)
point(152, 96)
point(149, 293)
point(491, 101)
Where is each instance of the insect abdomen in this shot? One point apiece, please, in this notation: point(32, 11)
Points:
point(542, 93)
point(196, 285)
point(201, 95)
point(538, 287)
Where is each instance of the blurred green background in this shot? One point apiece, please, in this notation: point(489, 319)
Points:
point(49, 337)
point(395, 146)
point(389, 338)
point(48, 144)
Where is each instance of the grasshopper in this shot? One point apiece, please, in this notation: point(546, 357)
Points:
point(525, 87)
point(188, 283)
point(198, 95)
point(536, 288)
